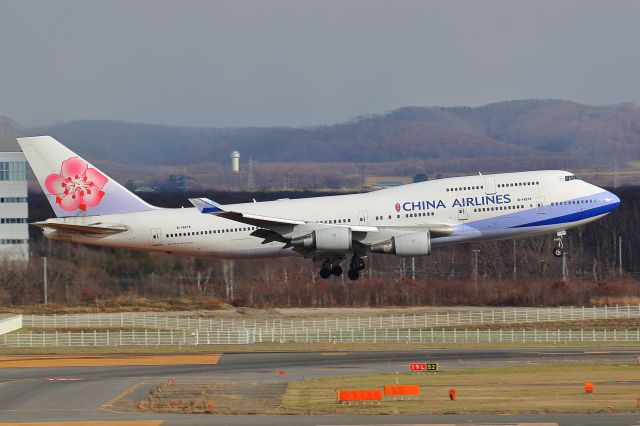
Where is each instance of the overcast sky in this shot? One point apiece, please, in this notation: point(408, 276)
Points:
point(263, 63)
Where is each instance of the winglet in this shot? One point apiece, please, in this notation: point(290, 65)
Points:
point(205, 205)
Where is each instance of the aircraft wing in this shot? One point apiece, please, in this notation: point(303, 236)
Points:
point(285, 227)
point(208, 206)
point(96, 229)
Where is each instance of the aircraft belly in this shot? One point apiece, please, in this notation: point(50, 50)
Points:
point(255, 253)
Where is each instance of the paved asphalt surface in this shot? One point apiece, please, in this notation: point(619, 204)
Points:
point(78, 393)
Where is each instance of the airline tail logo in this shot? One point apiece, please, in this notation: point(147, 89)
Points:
point(74, 187)
point(77, 186)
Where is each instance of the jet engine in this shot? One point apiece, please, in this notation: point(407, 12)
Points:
point(414, 244)
point(336, 239)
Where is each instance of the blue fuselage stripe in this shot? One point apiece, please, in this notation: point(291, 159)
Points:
point(573, 217)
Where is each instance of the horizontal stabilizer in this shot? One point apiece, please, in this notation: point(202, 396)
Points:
point(92, 229)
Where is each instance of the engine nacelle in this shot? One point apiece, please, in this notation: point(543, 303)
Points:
point(336, 239)
point(414, 244)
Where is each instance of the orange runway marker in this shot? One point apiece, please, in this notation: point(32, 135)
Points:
point(104, 360)
point(588, 387)
point(89, 423)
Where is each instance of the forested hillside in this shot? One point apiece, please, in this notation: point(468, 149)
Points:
point(513, 135)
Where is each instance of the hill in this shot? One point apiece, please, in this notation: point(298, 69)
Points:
point(497, 137)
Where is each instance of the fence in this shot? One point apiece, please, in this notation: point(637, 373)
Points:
point(129, 320)
point(125, 338)
point(401, 336)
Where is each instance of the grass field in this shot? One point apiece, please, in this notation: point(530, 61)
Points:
point(548, 388)
point(293, 347)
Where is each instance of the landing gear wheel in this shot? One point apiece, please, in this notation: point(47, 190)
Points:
point(337, 270)
point(326, 269)
point(357, 264)
point(558, 251)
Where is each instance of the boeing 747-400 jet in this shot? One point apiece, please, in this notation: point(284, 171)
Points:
point(408, 220)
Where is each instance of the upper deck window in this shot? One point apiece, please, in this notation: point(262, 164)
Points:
point(568, 178)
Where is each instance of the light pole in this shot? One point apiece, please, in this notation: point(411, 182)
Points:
point(475, 268)
point(515, 262)
point(413, 268)
point(620, 254)
point(44, 278)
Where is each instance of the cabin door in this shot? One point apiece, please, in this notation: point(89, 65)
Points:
point(156, 237)
point(541, 208)
point(489, 185)
point(363, 217)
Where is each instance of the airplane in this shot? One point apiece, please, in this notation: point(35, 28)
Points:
point(407, 220)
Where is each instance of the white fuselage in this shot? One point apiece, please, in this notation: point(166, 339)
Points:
point(477, 208)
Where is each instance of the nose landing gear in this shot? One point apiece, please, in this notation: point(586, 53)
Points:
point(558, 250)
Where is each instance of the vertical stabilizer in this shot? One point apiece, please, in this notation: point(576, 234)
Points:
point(73, 186)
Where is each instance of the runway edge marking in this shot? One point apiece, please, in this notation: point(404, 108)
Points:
point(121, 395)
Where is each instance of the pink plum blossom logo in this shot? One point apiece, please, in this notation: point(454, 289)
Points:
point(77, 186)
point(397, 207)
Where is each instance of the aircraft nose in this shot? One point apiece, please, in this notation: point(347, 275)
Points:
point(612, 200)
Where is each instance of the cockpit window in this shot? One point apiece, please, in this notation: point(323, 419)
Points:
point(568, 178)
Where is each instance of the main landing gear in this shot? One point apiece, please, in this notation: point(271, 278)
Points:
point(558, 250)
point(330, 267)
point(357, 264)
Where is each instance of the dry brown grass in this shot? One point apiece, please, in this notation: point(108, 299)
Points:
point(122, 304)
point(549, 388)
point(617, 300)
point(295, 347)
point(597, 324)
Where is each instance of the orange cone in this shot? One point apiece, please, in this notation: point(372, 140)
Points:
point(588, 387)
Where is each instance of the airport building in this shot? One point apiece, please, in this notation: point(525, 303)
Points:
point(14, 232)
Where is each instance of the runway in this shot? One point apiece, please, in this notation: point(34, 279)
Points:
point(85, 392)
